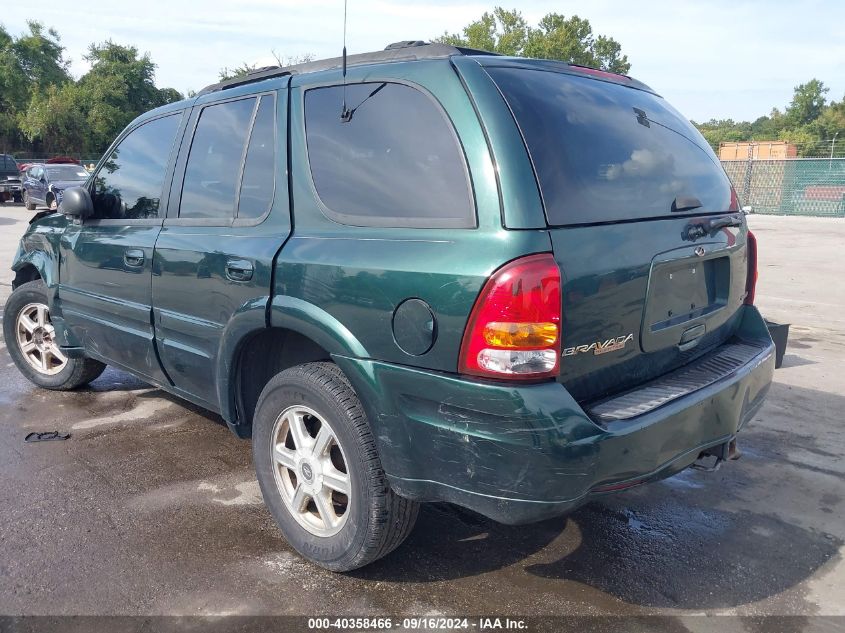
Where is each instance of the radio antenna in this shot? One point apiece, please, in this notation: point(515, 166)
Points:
point(345, 113)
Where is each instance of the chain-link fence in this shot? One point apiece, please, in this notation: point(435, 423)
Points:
point(794, 186)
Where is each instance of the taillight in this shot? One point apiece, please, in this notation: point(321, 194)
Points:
point(751, 280)
point(513, 331)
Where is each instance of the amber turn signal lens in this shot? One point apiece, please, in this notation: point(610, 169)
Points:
point(520, 335)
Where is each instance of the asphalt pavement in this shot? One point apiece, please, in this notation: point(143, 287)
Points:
point(151, 507)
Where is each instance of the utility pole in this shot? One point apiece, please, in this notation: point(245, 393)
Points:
point(832, 145)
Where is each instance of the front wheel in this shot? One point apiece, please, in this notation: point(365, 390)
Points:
point(31, 341)
point(319, 471)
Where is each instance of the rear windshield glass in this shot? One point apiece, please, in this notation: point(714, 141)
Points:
point(604, 152)
point(7, 163)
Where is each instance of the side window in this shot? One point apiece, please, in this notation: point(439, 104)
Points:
point(258, 183)
point(396, 162)
point(214, 162)
point(128, 185)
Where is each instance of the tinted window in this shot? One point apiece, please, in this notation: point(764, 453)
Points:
point(260, 168)
point(597, 159)
point(128, 186)
point(7, 162)
point(397, 162)
point(214, 164)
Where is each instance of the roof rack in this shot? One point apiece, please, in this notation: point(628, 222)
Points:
point(408, 50)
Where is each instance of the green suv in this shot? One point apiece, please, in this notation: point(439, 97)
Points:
point(509, 284)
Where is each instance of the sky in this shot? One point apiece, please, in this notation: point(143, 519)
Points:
point(711, 59)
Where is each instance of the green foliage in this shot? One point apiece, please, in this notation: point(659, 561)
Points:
point(56, 118)
point(117, 89)
point(808, 122)
point(555, 37)
point(42, 109)
point(29, 64)
point(807, 104)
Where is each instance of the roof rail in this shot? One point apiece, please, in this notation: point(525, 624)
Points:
point(407, 50)
point(259, 74)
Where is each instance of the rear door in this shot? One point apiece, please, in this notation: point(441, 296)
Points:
point(643, 221)
point(213, 258)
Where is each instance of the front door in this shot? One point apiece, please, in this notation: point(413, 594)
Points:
point(106, 262)
point(214, 255)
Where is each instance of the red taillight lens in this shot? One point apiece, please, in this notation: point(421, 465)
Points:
point(514, 329)
point(751, 280)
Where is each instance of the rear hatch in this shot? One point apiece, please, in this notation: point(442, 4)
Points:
point(643, 221)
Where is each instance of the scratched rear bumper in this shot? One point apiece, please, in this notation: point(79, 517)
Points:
point(523, 453)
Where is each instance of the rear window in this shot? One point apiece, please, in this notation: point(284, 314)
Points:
point(7, 163)
point(604, 152)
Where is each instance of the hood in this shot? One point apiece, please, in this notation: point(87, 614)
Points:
point(64, 184)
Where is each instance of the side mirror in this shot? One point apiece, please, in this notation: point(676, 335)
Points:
point(77, 204)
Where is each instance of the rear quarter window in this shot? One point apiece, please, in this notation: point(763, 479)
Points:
point(396, 162)
point(606, 152)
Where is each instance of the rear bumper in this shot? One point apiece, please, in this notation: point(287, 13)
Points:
point(519, 454)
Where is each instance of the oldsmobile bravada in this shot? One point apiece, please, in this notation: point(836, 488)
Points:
point(509, 284)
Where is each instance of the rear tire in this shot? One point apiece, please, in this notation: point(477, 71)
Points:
point(29, 337)
point(302, 473)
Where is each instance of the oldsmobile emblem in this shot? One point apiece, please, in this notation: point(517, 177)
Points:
point(600, 347)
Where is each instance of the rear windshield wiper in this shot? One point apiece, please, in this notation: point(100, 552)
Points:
point(685, 203)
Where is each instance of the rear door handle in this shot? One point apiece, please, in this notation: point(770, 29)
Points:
point(239, 269)
point(134, 257)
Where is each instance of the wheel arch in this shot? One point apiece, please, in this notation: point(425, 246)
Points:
point(32, 266)
point(258, 345)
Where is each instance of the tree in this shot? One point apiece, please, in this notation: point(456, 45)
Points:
point(831, 121)
point(807, 104)
point(40, 56)
point(55, 120)
point(29, 64)
point(119, 87)
point(555, 37)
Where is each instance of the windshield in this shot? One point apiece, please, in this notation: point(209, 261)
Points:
point(67, 172)
point(604, 152)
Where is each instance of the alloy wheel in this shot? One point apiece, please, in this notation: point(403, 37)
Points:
point(37, 340)
point(311, 471)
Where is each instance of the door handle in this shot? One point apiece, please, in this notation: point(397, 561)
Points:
point(134, 257)
point(239, 270)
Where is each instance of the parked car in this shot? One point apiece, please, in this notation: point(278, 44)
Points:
point(44, 183)
point(510, 284)
point(10, 181)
